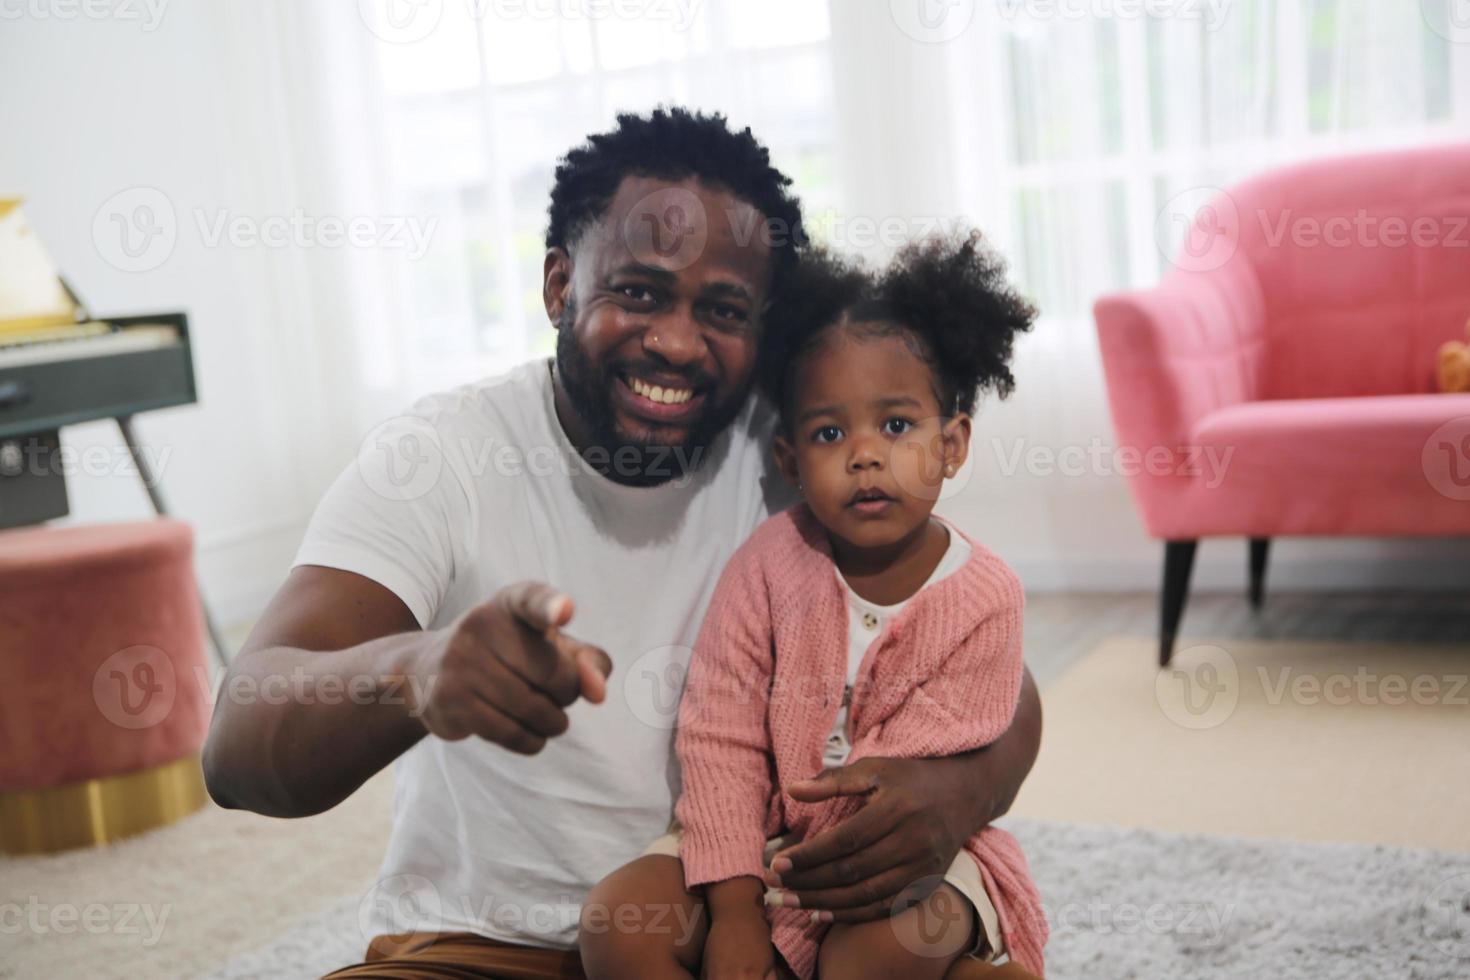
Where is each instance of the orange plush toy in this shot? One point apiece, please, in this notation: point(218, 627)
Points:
point(1454, 365)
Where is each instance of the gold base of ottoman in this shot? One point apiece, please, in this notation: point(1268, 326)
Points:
point(97, 811)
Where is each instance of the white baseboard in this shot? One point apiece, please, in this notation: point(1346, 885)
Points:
point(241, 569)
point(1219, 573)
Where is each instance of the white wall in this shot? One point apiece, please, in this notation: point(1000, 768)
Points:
point(94, 107)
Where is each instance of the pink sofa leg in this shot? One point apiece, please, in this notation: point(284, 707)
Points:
point(1178, 563)
point(1259, 549)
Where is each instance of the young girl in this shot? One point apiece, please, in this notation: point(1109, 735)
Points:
point(854, 624)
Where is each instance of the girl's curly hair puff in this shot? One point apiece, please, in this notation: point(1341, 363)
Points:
point(946, 296)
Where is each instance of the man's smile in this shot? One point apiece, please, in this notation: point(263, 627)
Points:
point(669, 402)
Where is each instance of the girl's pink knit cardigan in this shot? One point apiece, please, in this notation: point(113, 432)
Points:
point(766, 680)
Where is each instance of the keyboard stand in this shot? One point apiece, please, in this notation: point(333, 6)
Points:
point(150, 484)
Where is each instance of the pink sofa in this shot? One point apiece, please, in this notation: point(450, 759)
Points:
point(1283, 372)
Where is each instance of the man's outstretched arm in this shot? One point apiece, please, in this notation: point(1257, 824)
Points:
point(337, 680)
point(917, 815)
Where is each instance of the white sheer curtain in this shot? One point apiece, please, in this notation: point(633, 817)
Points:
point(468, 112)
point(1098, 122)
point(1063, 129)
point(1067, 131)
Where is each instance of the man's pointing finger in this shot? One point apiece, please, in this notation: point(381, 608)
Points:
point(537, 605)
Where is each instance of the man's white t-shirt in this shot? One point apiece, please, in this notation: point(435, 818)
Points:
point(477, 488)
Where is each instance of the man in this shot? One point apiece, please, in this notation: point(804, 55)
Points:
point(604, 489)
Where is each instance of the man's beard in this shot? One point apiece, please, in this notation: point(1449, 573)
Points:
point(622, 456)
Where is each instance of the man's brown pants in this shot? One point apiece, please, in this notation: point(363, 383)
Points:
point(466, 956)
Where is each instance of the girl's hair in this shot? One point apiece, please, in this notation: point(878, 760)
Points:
point(946, 297)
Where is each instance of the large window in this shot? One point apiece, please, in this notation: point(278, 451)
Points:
point(477, 112)
point(1082, 131)
point(1103, 117)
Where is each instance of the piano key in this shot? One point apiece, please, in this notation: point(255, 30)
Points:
point(136, 338)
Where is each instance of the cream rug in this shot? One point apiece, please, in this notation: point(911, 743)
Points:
point(1360, 743)
point(1342, 756)
point(180, 901)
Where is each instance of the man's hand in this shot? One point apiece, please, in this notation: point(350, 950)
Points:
point(504, 671)
point(916, 815)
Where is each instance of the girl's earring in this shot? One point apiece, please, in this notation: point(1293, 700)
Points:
point(949, 469)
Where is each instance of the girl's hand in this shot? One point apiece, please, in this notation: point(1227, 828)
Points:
point(739, 948)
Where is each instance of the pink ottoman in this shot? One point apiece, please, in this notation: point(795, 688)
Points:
point(105, 699)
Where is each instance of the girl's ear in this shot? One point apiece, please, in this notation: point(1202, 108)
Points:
point(785, 455)
point(954, 441)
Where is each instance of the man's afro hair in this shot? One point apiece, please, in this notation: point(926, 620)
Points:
point(673, 144)
point(947, 295)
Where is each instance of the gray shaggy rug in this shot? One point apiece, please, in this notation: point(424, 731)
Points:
point(1143, 905)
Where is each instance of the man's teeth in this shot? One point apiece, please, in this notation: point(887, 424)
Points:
point(655, 393)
